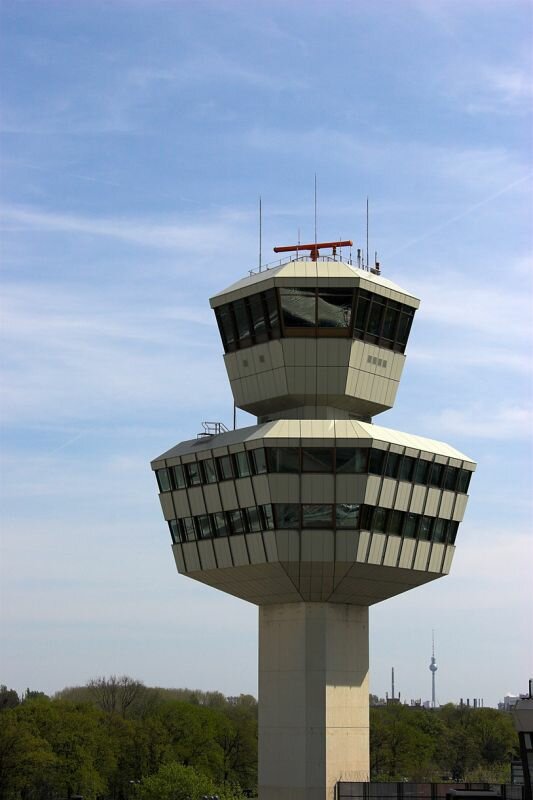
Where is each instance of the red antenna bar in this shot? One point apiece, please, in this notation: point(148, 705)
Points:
point(313, 248)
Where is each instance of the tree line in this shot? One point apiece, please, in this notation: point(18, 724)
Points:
point(117, 739)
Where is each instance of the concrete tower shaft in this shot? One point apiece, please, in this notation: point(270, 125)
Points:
point(313, 514)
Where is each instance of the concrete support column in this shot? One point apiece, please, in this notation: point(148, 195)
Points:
point(313, 699)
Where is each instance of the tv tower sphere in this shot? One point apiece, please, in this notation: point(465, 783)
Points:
point(314, 513)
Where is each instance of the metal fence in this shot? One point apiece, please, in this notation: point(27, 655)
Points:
point(421, 791)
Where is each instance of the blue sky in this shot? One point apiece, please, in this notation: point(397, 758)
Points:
point(136, 138)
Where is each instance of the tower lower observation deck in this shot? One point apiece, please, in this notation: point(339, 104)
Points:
point(315, 513)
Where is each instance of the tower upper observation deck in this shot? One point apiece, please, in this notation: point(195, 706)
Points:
point(314, 339)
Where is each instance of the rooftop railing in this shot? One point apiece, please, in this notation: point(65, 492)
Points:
point(337, 258)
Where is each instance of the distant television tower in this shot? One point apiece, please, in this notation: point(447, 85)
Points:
point(433, 667)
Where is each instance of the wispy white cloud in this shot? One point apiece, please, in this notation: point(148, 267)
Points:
point(199, 236)
point(74, 356)
point(481, 421)
point(464, 303)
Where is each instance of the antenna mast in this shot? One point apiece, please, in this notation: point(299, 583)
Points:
point(367, 262)
point(315, 211)
point(260, 232)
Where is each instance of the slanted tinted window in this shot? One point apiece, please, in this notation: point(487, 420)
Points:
point(298, 307)
point(452, 531)
point(315, 515)
point(258, 457)
point(287, 515)
point(366, 518)
point(242, 322)
point(392, 466)
point(376, 316)
point(272, 315)
point(395, 522)
point(179, 477)
point(254, 521)
point(390, 321)
point(422, 471)
point(204, 527)
point(347, 515)
point(379, 520)
point(242, 467)
point(267, 517)
point(225, 468)
point(283, 459)
point(410, 525)
point(317, 459)
point(174, 530)
point(210, 472)
point(334, 307)
point(450, 478)
point(351, 459)
point(464, 481)
point(189, 529)
point(361, 313)
point(407, 468)
point(220, 524)
point(426, 524)
point(237, 521)
point(436, 475)
point(194, 477)
point(376, 462)
point(259, 321)
point(163, 480)
point(405, 326)
point(439, 530)
point(226, 327)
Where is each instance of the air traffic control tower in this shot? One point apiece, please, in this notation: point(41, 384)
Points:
point(315, 513)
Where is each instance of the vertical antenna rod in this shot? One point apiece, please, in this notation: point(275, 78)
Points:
point(367, 262)
point(316, 240)
point(260, 232)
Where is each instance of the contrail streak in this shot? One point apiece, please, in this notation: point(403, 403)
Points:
point(463, 214)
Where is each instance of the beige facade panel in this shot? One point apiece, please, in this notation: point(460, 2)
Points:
point(167, 507)
point(460, 507)
point(228, 495)
point(212, 498)
point(418, 499)
point(446, 505)
point(181, 503)
point(407, 554)
point(190, 556)
point(392, 551)
point(403, 496)
point(377, 547)
point(256, 548)
point(432, 502)
point(317, 546)
point(436, 558)
point(178, 558)
point(239, 550)
point(422, 555)
point(362, 547)
point(388, 493)
point(373, 486)
point(222, 553)
point(207, 554)
point(346, 545)
point(196, 501)
point(284, 488)
point(448, 558)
